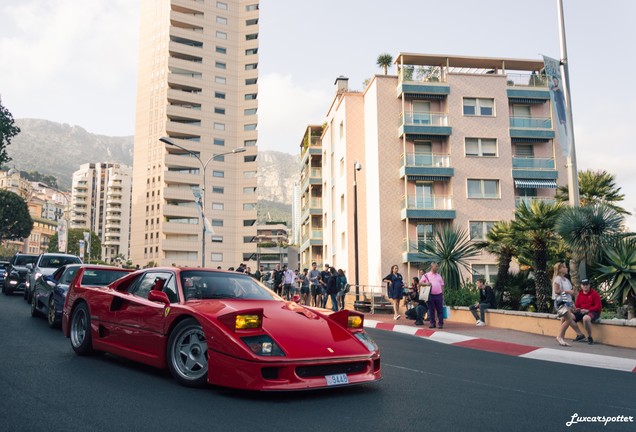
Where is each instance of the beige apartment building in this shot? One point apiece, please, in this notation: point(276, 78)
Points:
point(100, 202)
point(197, 85)
point(447, 140)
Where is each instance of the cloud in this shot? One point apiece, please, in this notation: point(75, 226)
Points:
point(285, 110)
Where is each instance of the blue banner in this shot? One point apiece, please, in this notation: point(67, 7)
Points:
point(562, 121)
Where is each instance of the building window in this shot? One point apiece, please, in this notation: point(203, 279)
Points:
point(220, 65)
point(479, 229)
point(250, 158)
point(250, 96)
point(221, 20)
point(251, 66)
point(487, 271)
point(218, 189)
point(219, 80)
point(219, 141)
point(249, 206)
point(485, 147)
point(249, 127)
point(219, 126)
point(217, 222)
point(219, 95)
point(249, 143)
point(221, 35)
point(218, 110)
point(221, 50)
point(249, 222)
point(250, 22)
point(249, 190)
point(217, 239)
point(251, 51)
point(251, 81)
point(479, 107)
point(250, 111)
point(218, 206)
point(249, 174)
point(221, 5)
point(342, 203)
point(216, 257)
point(483, 188)
point(219, 174)
point(252, 36)
point(251, 7)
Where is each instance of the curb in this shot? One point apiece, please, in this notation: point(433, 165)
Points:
point(512, 349)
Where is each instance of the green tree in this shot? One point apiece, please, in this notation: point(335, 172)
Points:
point(384, 61)
point(35, 176)
point(451, 249)
point(618, 269)
point(586, 231)
point(595, 187)
point(534, 226)
point(500, 242)
point(74, 236)
point(8, 130)
point(15, 220)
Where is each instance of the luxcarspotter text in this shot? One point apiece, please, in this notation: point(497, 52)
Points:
point(599, 419)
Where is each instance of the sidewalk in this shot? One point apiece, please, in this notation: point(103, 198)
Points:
point(511, 342)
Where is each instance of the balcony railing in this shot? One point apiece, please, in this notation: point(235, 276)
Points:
point(316, 234)
point(414, 245)
point(526, 80)
point(316, 172)
point(316, 203)
point(533, 163)
point(531, 122)
point(424, 119)
point(528, 200)
point(433, 202)
point(426, 160)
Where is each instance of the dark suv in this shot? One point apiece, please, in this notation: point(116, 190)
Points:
point(17, 273)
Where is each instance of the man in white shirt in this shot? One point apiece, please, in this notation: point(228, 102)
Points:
point(289, 280)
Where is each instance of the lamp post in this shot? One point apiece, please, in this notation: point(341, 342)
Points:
point(204, 166)
point(357, 166)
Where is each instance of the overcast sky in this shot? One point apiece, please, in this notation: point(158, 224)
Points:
point(74, 61)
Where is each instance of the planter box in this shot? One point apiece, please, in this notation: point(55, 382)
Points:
point(620, 333)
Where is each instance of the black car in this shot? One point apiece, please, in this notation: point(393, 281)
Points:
point(3, 271)
point(17, 273)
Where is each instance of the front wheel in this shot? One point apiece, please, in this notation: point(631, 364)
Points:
point(34, 310)
point(81, 339)
point(51, 315)
point(187, 354)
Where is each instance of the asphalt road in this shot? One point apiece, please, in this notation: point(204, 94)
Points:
point(428, 386)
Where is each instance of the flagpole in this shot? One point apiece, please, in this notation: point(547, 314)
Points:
point(573, 179)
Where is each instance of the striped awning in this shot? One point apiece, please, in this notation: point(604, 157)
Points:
point(425, 96)
point(427, 177)
point(529, 140)
point(535, 184)
point(526, 100)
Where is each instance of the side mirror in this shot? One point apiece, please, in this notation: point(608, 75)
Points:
point(29, 266)
point(159, 296)
point(50, 281)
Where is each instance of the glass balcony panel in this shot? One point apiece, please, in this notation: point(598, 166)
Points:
point(433, 202)
point(533, 163)
point(528, 200)
point(427, 160)
point(530, 122)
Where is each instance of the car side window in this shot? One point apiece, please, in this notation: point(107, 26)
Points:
point(170, 288)
point(143, 287)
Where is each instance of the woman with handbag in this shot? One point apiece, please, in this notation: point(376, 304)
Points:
point(562, 292)
point(395, 284)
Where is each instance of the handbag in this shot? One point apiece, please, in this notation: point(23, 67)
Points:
point(563, 310)
point(425, 291)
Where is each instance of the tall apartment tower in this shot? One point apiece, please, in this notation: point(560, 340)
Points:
point(197, 85)
point(100, 202)
point(475, 137)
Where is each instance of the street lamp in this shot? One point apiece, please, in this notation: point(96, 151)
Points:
point(204, 166)
point(357, 167)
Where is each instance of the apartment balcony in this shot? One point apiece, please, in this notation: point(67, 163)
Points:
point(528, 200)
point(112, 226)
point(180, 228)
point(186, 80)
point(527, 88)
point(430, 88)
point(183, 128)
point(191, 19)
point(195, 66)
point(310, 211)
point(194, 97)
point(184, 112)
point(172, 177)
point(411, 251)
point(438, 207)
point(180, 194)
point(534, 168)
point(423, 125)
point(182, 245)
point(314, 149)
point(531, 127)
point(431, 166)
point(175, 210)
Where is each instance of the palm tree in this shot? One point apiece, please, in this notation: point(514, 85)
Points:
point(500, 241)
point(586, 231)
point(384, 61)
point(595, 187)
point(450, 249)
point(534, 225)
point(618, 270)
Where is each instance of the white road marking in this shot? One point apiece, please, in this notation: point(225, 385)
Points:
point(582, 359)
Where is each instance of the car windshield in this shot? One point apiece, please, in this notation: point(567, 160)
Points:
point(57, 261)
point(23, 260)
point(102, 277)
point(201, 284)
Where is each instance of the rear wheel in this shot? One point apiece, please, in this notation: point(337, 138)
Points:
point(187, 354)
point(51, 317)
point(81, 339)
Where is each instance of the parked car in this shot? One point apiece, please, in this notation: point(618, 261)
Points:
point(17, 273)
point(50, 291)
point(3, 271)
point(45, 265)
point(221, 328)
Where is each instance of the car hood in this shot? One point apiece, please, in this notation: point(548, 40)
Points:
point(300, 332)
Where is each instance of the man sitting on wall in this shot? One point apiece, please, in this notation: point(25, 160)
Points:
point(587, 309)
point(486, 301)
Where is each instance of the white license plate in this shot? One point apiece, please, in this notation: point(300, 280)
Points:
point(337, 379)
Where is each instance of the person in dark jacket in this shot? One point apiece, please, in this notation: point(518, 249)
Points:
point(395, 285)
point(332, 288)
point(420, 307)
point(486, 301)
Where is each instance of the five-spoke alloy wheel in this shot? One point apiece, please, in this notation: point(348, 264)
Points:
point(187, 354)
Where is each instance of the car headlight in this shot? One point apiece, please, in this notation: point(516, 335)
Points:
point(244, 322)
point(367, 341)
point(37, 276)
point(263, 345)
point(354, 322)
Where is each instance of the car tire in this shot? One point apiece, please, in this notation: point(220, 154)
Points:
point(51, 314)
point(187, 354)
point(25, 295)
point(34, 310)
point(80, 325)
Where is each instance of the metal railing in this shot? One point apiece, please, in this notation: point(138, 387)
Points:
point(424, 119)
point(530, 122)
point(529, 200)
point(532, 162)
point(526, 80)
point(426, 160)
point(433, 202)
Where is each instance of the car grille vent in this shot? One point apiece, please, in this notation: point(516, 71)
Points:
point(269, 373)
point(331, 369)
